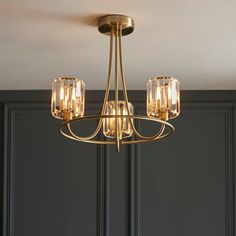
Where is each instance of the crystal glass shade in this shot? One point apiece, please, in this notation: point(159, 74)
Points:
point(124, 127)
point(163, 98)
point(68, 98)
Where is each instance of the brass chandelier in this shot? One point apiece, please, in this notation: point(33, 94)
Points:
point(117, 116)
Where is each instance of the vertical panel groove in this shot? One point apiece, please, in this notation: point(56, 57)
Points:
point(100, 191)
point(103, 190)
point(135, 186)
point(134, 191)
point(229, 171)
point(7, 173)
point(6, 226)
point(107, 191)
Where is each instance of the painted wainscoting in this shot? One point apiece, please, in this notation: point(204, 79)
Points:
point(181, 186)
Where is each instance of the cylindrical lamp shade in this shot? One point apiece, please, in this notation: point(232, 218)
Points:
point(163, 98)
point(68, 98)
point(124, 126)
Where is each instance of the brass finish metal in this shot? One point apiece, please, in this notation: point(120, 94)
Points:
point(67, 115)
point(116, 26)
point(106, 24)
point(164, 115)
point(117, 131)
point(65, 129)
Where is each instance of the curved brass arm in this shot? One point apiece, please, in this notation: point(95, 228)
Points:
point(105, 96)
point(126, 99)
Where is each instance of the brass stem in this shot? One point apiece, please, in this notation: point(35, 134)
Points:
point(117, 132)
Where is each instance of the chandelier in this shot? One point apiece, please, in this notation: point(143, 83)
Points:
point(116, 121)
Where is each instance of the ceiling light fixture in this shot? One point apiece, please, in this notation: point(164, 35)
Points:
point(117, 116)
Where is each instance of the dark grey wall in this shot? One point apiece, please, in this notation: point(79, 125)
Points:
point(182, 185)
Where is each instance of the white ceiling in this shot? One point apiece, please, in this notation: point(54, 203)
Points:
point(194, 41)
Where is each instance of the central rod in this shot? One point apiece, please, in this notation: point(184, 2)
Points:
point(117, 132)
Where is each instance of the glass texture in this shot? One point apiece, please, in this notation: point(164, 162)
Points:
point(124, 127)
point(68, 97)
point(163, 98)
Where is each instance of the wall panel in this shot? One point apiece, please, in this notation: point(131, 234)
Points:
point(183, 185)
point(185, 182)
point(51, 184)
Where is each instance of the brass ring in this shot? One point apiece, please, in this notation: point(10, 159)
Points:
point(68, 134)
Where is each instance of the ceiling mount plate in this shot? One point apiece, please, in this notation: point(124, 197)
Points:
point(107, 22)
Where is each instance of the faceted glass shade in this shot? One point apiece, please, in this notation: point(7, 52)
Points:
point(163, 98)
point(68, 98)
point(124, 127)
